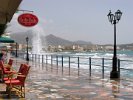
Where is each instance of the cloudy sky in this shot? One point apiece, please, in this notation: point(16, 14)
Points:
point(81, 19)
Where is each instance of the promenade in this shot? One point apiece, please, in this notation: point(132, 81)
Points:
point(49, 83)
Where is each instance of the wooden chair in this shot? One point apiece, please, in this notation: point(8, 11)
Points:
point(4, 71)
point(18, 84)
point(14, 72)
point(8, 65)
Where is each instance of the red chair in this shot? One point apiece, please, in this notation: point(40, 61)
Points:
point(19, 82)
point(9, 64)
point(15, 72)
point(4, 71)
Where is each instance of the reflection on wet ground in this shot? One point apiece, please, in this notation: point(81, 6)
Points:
point(46, 83)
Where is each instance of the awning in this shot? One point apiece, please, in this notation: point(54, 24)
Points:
point(6, 40)
point(7, 10)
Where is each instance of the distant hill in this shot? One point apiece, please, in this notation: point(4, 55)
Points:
point(50, 39)
point(20, 37)
point(53, 40)
point(80, 42)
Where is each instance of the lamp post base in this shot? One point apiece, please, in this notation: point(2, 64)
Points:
point(114, 75)
point(27, 58)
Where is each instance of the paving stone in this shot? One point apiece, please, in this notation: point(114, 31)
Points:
point(45, 83)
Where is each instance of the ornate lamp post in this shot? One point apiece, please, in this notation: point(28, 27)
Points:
point(27, 54)
point(16, 49)
point(114, 19)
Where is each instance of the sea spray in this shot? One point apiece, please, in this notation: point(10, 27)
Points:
point(37, 33)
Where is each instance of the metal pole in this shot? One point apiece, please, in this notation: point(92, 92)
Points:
point(62, 65)
point(16, 50)
point(102, 67)
point(51, 60)
point(57, 60)
point(119, 67)
point(114, 19)
point(27, 57)
point(90, 66)
point(115, 56)
point(114, 73)
point(78, 66)
point(42, 59)
point(69, 64)
point(46, 59)
point(32, 57)
point(35, 57)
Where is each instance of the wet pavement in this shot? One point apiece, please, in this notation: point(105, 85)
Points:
point(50, 83)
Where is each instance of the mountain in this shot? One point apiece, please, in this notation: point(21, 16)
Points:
point(80, 42)
point(49, 39)
point(53, 40)
point(20, 37)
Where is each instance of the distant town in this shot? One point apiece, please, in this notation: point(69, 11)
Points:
point(76, 48)
point(88, 48)
point(51, 43)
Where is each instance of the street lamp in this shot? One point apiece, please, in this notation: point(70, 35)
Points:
point(27, 54)
point(114, 19)
point(16, 49)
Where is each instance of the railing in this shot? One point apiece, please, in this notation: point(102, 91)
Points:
point(91, 65)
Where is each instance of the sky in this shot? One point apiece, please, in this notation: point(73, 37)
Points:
point(81, 19)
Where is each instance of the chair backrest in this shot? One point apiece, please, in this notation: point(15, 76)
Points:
point(24, 72)
point(10, 62)
point(20, 68)
point(2, 66)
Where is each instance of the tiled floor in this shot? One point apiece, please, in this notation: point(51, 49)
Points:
point(45, 83)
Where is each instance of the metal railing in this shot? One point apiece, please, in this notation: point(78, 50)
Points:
point(92, 65)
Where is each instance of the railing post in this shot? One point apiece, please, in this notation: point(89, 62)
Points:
point(42, 59)
point(29, 56)
point(69, 64)
point(78, 66)
point(119, 67)
point(39, 58)
point(57, 62)
point(35, 57)
point(90, 66)
point(62, 64)
point(102, 67)
point(24, 56)
point(51, 60)
point(46, 59)
point(32, 57)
